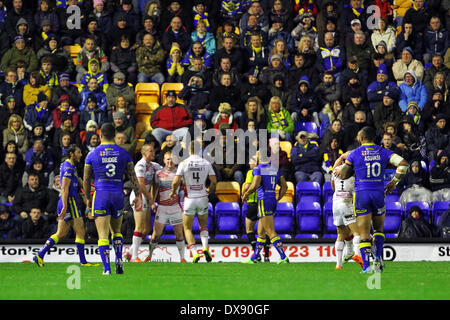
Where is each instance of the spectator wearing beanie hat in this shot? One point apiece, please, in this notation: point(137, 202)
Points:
point(375, 90)
point(39, 111)
point(64, 106)
point(92, 112)
point(387, 110)
point(65, 88)
point(437, 137)
point(225, 115)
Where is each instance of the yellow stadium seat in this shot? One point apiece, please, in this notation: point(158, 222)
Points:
point(228, 191)
point(286, 146)
point(146, 107)
point(290, 192)
point(147, 92)
point(177, 86)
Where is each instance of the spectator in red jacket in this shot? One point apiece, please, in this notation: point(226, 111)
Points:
point(171, 118)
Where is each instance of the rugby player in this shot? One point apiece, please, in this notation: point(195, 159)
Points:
point(108, 163)
point(369, 162)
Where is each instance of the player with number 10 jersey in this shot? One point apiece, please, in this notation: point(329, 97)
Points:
point(369, 162)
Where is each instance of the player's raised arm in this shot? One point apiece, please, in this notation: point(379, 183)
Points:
point(402, 167)
point(283, 188)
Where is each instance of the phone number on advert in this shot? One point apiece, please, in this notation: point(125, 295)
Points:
point(291, 251)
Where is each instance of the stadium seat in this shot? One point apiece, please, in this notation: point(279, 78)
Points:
point(228, 191)
point(226, 236)
point(168, 236)
point(285, 235)
point(431, 165)
point(390, 235)
point(286, 146)
point(329, 236)
point(166, 86)
point(227, 217)
point(168, 229)
point(425, 206)
point(307, 126)
point(284, 218)
point(393, 219)
point(290, 192)
point(146, 106)
point(307, 236)
point(142, 124)
point(392, 198)
point(147, 92)
point(327, 192)
point(328, 222)
point(309, 216)
point(309, 188)
point(439, 207)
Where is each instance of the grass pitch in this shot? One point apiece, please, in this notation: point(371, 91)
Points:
point(224, 281)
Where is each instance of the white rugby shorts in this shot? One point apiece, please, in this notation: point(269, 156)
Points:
point(196, 206)
point(343, 213)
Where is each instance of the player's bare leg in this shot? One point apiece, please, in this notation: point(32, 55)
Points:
point(103, 223)
point(378, 240)
point(116, 224)
point(342, 232)
point(188, 221)
point(142, 228)
point(178, 230)
point(204, 235)
point(260, 240)
point(158, 229)
point(78, 227)
point(269, 227)
point(63, 229)
point(364, 223)
point(355, 242)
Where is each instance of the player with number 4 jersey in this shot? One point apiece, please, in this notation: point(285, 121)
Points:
point(195, 171)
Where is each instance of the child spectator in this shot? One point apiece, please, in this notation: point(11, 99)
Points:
point(205, 37)
point(225, 115)
point(63, 108)
point(50, 76)
point(174, 66)
point(94, 72)
point(92, 112)
point(93, 88)
point(200, 15)
point(90, 50)
point(39, 111)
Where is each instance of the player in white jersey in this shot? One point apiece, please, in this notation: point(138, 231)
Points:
point(345, 220)
point(169, 210)
point(145, 172)
point(195, 171)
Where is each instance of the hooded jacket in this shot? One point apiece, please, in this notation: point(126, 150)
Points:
point(300, 100)
point(440, 174)
point(102, 80)
point(417, 92)
point(399, 68)
point(13, 55)
point(420, 178)
point(415, 228)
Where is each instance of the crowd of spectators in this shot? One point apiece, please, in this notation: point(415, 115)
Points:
point(249, 64)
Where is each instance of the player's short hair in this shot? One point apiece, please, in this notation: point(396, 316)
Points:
point(108, 131)
point(72, 148)
point(368, 133)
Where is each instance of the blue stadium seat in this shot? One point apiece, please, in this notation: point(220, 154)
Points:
point(328, 222)
point(431, 165)
point(392, 198)
point(307, 236)
point(329, 236)
point(227, 217)
point(390, 235)
point(309, 217)
point(309, 188)
point(307, 126)
point(284, 218)
point(168, 236)
point(168, 229)
point(439, 207)
point(327, 192)
point(226, 236)
point(328, 208)
point(393, 218)
point(425, 206)
point(285, 235)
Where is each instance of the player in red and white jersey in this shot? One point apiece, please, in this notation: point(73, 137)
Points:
point(145, 172)
point(344, 219)
point(169, 210)
point(195, 171)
